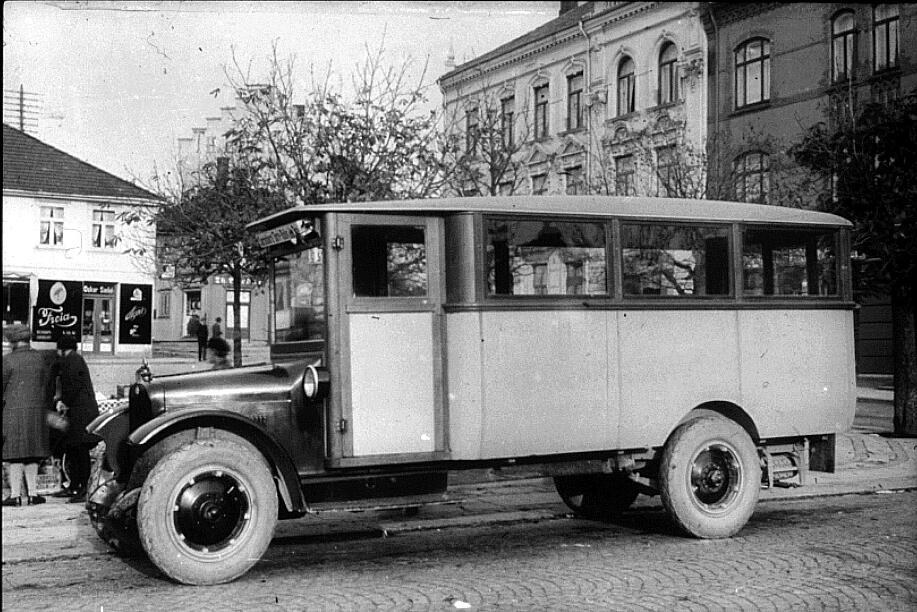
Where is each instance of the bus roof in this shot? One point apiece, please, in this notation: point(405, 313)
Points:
point(573, 206)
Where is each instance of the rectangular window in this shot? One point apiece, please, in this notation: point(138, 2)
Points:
point(674, 260)
point(541, 112)
point(575, 183)
point(103, 229)
point(471, 130)
point(539, 184)
point(753, 73)
point(624, 175)
point(885, 37)
point(507, 114)
point(789, 263)
point(545, 258)
point(574, 101)
point(389, 261)
point(51, 229)
point(299, 296)
point(164, 304)
point(245, 299)
point(506, 188)
point(666, 172)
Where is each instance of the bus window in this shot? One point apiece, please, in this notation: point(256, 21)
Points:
point(299, 296)
point(674, 260)
point(789, 262)
point(389, 261)
point(545, 258)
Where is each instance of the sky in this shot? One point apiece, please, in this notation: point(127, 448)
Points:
point(119, 82)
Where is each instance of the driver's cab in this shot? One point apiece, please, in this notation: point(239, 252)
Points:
point(363, 293)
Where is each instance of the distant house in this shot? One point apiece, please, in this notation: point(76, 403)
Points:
point(65, 266)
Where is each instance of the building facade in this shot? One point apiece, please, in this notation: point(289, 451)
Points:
point(66, 267)
point(779, 68)
point(609, 97)
point(177, 300)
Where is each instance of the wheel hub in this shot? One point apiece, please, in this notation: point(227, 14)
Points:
point(210, 511)
point(715, 476)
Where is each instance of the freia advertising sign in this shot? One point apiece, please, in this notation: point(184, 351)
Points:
point(57, 310)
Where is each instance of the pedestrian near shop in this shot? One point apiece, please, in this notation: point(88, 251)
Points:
point(219, 352)
point(217, 329)
point(28, 392)
point(202, 339)
point(78, 402)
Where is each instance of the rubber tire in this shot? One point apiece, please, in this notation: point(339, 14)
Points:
point(119, 532)
point(689, 513)
point(596, 496)
point(158, 534)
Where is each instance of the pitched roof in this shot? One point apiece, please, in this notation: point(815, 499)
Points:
point(31, 165)
point(558, 24)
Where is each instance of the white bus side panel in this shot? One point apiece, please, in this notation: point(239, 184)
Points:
point(672, 361)
point(797, 372)
point(464, 352)
point(549, 382)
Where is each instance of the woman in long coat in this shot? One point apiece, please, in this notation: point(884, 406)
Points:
point(28, 392)
point(79, 400)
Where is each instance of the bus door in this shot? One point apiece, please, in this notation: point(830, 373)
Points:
point(391, 293)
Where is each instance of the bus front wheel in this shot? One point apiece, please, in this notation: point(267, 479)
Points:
point(710, 477)
point(596, 496)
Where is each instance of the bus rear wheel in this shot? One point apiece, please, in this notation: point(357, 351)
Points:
point(710, 477)
point(596, 496)
point(207, 511)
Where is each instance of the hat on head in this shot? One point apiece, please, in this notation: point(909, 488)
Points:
point(17, 332)
point(66, 343)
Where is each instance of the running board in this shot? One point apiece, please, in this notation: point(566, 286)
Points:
point(384, 503)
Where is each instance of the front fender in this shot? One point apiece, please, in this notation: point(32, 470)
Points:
point(206, 419)
point(114, 427)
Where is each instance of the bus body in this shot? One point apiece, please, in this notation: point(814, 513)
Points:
point(695, 349)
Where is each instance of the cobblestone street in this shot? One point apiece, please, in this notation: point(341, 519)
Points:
point(852, 552)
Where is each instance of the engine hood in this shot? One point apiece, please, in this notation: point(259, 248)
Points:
point(225, 388)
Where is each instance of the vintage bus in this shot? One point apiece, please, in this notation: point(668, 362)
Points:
point(698, 350)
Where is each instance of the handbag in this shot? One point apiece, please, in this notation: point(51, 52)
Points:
point(57, 421)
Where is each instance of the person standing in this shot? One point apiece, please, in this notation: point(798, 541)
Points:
point(202, 339)
point(219, 351)
point(28, 391)
point(217, 330)
point(78, 402)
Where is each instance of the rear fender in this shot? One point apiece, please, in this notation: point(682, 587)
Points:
point(207, 423)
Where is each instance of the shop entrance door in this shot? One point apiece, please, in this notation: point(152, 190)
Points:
point(97, 325)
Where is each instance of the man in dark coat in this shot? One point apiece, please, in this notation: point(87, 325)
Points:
point(28, 391)
point(78, 402)
point(201, 339)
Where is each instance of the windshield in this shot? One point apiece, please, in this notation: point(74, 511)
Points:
point(299, 296)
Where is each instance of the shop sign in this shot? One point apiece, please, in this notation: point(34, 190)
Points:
point(135, 319)
point(100, 289)
point(57, 310)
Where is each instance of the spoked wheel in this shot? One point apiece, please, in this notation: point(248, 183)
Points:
point(596, 496)
point(710, 477)
point(207, 511)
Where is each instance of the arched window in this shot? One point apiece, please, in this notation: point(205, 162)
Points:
point(753, 72)
point(668, 74)
point(626, 86)
point(752, 177)
point(842, 46)
point(885, 36)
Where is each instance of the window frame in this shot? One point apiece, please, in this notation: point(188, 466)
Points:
point(627, 86)
point(631, 181)
point(668, 68)
point(764, 59)
point(47, 216)
point(743, 173)
point(506, 120)
point(103, 224)
point(891, 63)
point(847, 38)
point(472, 130)
point(838, 243)
point(607, 234)
point(725, 226)
point(575, 101)
point(540, 117)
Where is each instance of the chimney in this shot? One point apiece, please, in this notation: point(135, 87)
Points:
point(567, 6)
